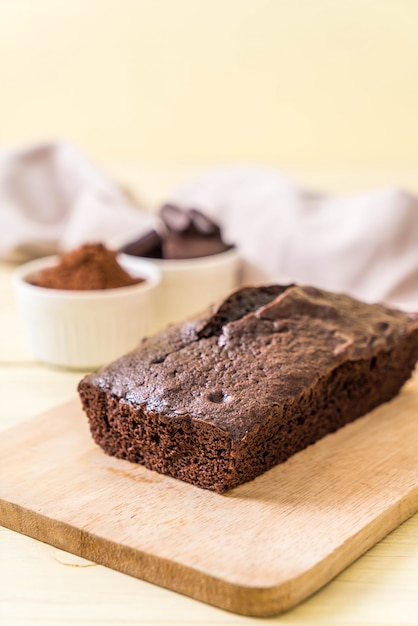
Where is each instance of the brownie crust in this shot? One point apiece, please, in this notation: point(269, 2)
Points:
point(221, 399)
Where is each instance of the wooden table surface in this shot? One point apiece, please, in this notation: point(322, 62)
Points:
point(40, 584)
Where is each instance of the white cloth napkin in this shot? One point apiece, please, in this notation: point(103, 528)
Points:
point(364, 244)
point(52, 199)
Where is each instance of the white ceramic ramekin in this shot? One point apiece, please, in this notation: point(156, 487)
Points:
point(85, 329)
point(188, 286)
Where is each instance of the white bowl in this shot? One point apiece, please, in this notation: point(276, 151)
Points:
point(85, 329)
point(188, 286)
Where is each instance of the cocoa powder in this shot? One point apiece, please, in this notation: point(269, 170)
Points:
point(89, 267)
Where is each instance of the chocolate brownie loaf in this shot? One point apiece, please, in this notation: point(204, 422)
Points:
point(219, 400)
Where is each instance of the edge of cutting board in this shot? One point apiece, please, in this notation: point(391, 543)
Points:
point(387, 497)
point(240, 599)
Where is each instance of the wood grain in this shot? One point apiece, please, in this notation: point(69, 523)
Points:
point(258, 550)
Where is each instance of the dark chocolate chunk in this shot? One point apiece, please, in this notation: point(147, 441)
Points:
point(191, 246)
point(149, 245)
point(187, 234)
point(174, 218)
point(203, 224)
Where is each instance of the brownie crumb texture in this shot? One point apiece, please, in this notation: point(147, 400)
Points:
point(222, 399)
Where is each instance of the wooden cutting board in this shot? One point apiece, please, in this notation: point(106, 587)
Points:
point(258, 550)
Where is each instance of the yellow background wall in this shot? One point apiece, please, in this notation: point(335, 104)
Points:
point(306, 82)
